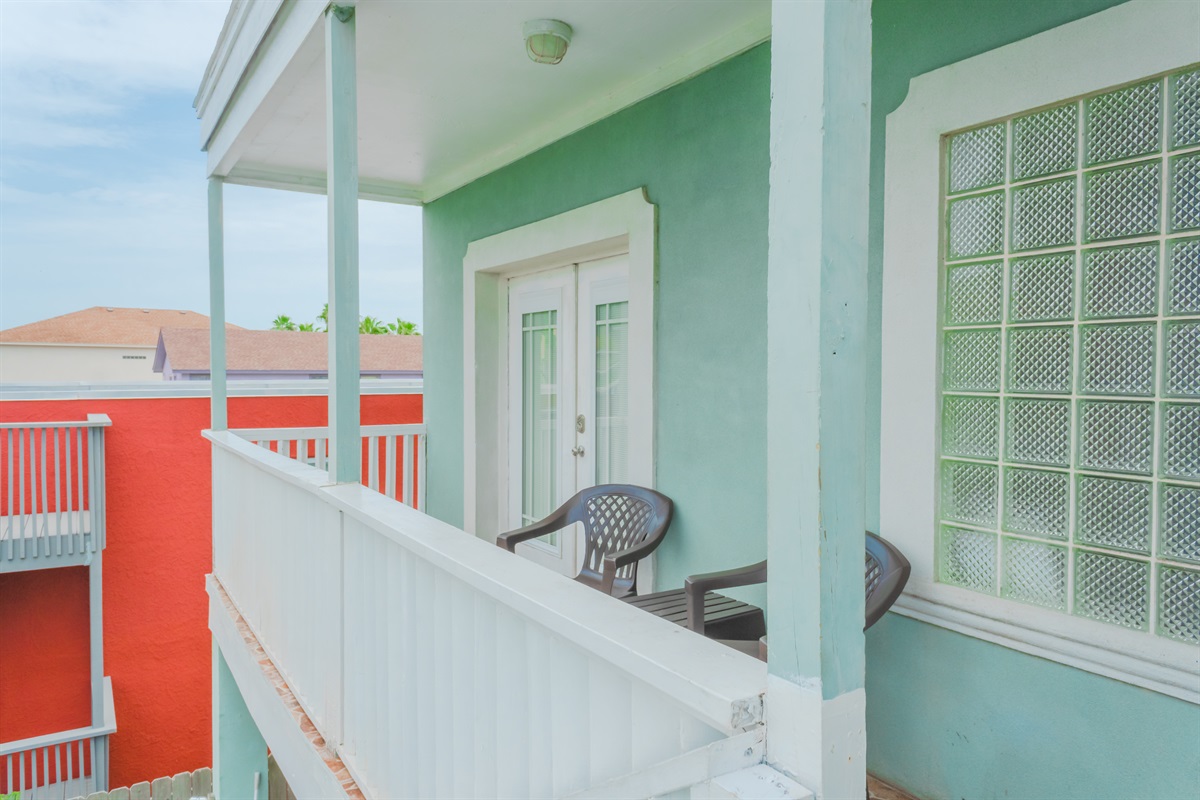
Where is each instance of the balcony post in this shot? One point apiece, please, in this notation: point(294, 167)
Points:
point(816, 383)
point(341, 121)
point(216, 303)
point(239, 750)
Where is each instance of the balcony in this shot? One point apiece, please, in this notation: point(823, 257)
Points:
point(72, 763)
point(414, 659)
point(52, 489)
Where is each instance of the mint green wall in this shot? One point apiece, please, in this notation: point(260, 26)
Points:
point(701, 151)
point(949, 716)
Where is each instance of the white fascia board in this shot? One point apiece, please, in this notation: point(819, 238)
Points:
point(314, 183)
point(732, 43)
point(226, 126)
point(245, 26)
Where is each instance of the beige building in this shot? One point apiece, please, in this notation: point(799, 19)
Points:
point(93, 345)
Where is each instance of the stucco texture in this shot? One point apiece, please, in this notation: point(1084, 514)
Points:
point(949, 716)
point(700, 149)
point(157, 647)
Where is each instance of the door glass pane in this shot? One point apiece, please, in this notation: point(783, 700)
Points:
point(539, 416)
point(612, 393)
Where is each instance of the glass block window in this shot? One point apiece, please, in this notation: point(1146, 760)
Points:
point(1070, 358)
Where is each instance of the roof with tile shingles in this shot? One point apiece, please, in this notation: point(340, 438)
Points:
point(284, 351)
point(105, 325)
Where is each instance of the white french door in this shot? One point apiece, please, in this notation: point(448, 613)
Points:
point(568, 409)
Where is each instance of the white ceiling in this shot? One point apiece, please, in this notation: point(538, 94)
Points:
point(446, 92)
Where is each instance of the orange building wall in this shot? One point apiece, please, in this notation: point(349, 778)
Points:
point(157, 648)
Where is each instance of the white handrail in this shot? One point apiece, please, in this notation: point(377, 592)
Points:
point(93, 421)
point(427, 646)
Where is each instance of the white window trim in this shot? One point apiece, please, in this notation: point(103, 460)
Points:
point(1071, 60)
point(626, 223)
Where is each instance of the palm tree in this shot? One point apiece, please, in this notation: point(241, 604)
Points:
point(324, 317)
point(402, 328)
point(307, 326)
point(371, 325)
point(283, 323)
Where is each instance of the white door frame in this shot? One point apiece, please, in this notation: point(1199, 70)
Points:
point(623, 224)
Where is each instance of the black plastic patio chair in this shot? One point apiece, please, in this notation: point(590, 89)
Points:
point(622, 524)
point(887, 572)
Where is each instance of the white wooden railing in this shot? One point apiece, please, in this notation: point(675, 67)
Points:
point(58, 765)
point(394, 455)
point(439, 665)
point(52, 492)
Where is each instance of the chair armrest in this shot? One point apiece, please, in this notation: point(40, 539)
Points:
point(552, 523)
point(614, 561)
point(695, 586)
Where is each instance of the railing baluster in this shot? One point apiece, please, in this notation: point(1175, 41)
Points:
point(79, 478)
point(8, 498)
point(45, 501)
point(408, 499)
point(372, 462)
point(58, 773)
point(46, 766)
point(57, 495)
point(21, 759)
point(390, 466)
point(8, 775)
point(70, 765)
point(21, 484)
point(321, 453)
point(420, 476)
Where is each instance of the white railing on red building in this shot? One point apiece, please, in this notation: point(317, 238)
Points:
point(68, 764)
point(393, 455)
point(52, 492)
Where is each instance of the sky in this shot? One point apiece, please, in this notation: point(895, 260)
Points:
point(102, 180)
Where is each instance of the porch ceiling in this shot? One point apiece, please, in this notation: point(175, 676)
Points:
point(447, 94)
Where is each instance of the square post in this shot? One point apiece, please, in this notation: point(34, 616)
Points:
point(239, 750)
point(816, 383)
point(216, 304)
point(341, 124)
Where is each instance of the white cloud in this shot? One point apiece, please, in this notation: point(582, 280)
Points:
point(68, 68)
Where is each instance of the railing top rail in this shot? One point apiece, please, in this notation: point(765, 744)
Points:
point(322, 432)
point(50, 739)
point(93, 421)
point(714, 682)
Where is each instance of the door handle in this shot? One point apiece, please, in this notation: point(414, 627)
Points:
point(577, 451)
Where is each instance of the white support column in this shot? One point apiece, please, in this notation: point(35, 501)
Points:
point(341, 126)
point(816, 411)
point(216, 303)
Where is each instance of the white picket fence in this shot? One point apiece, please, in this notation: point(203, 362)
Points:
point(439, 665)
point(196, 785)
point(394, 455)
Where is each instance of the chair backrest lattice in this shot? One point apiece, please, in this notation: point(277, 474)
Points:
point(614, 522)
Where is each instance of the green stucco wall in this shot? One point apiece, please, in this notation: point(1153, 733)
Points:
point(701, 151)
point(949, 716)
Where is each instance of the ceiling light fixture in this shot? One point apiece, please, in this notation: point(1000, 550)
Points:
point(546, 40)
